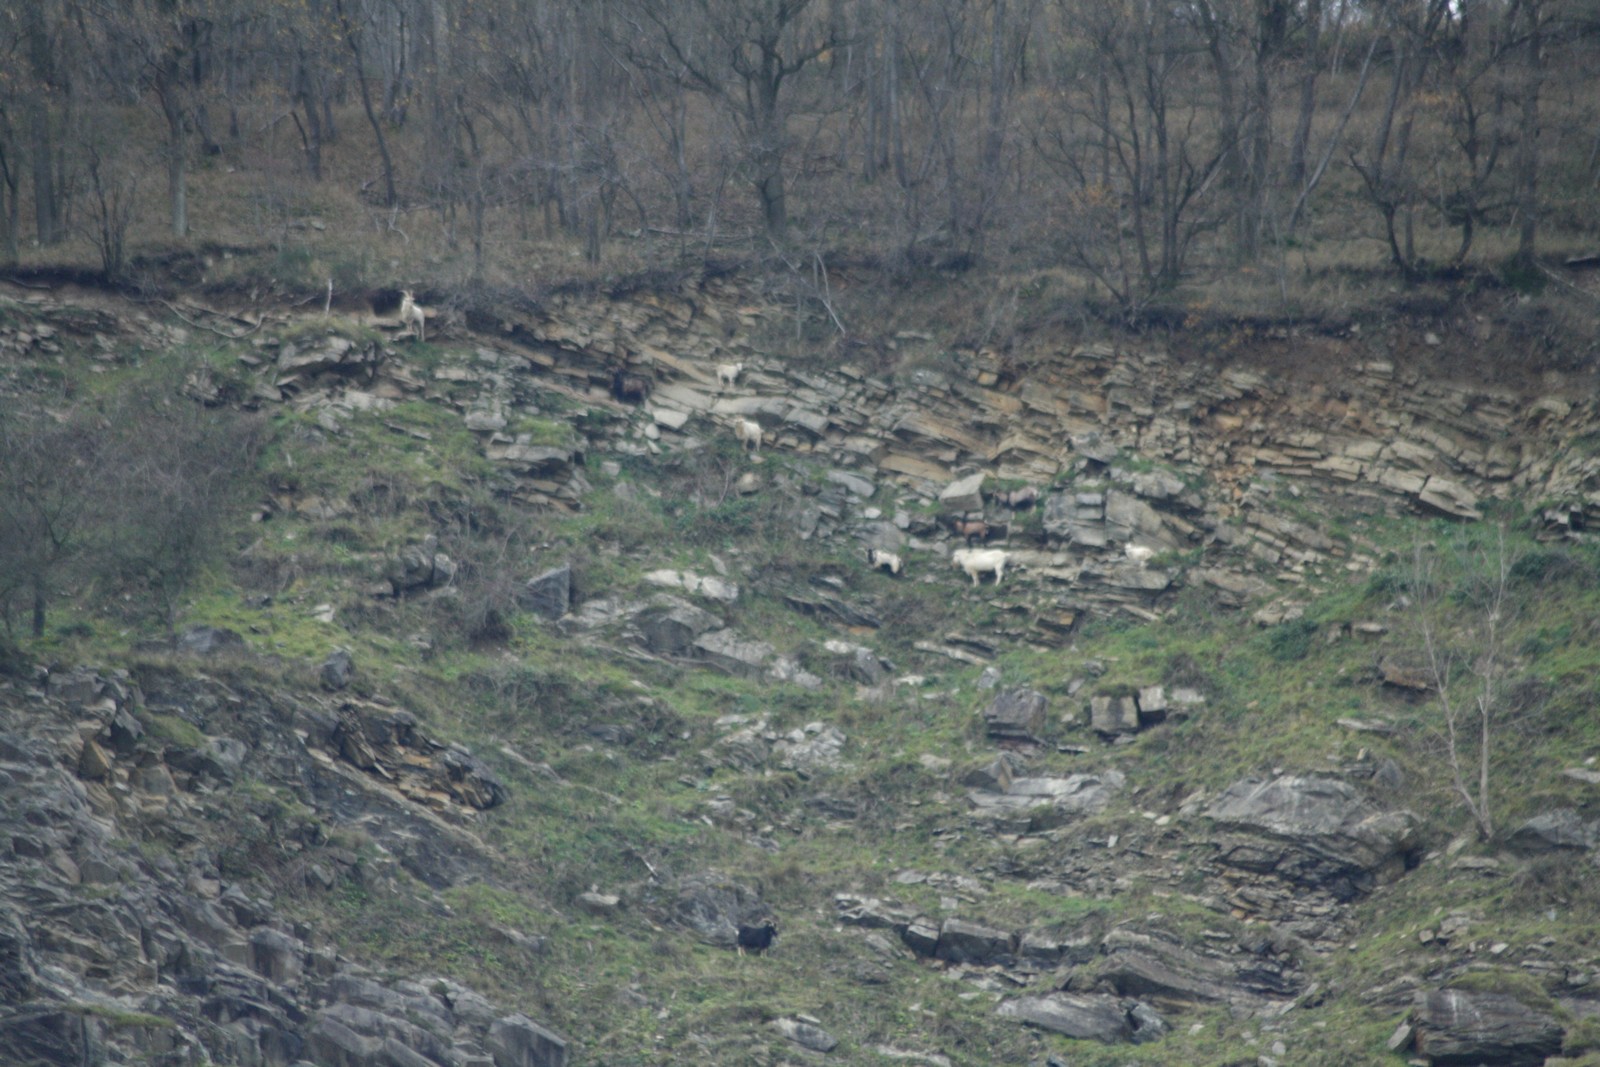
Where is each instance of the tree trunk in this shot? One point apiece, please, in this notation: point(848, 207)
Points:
point(178, 176)
point(1299, 147)
point(352, 40)
point(46, 194)
point(1528, 140)
point(38, 605)
point(46, 203)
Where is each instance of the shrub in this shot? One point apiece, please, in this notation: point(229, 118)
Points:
point(1291, 641)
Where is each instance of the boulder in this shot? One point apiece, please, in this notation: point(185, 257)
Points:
point(708, 586)
point(963, 494)
point(734, 654)
point(671, 626)
point(1449, 498)
point(517, 1041)
point(1319, 832)
point(47, 1034)
point(807, 1035)
point(964, 942)
point(276, 956)
point(548, 595)
point(1075, 794)
point(713, 906)
point(209, 641)
point(1085, 1017)
point(1173, 975)
point(1017, 715)
point(869, 912)
point(1233, 589)
point(337, 670)
point(1550, 831)
point(1113, 715)
point(853, 483)
point(856, 662)
point(418, 566)
point(1453, 1027)
point(1128, 517)
point(812, 751)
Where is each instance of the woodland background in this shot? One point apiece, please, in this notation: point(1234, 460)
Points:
point(1165, 155)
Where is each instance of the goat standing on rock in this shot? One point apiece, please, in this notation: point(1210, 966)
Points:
point(413, 316)
point(977, 560)
point(971, 529)
point(888, 561)
point(748, 433)
point(1140, 554)
point(728, 373)
point(629, 388)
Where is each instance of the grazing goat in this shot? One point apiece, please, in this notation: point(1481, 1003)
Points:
point(728, 373)
point(413, 316)
point(748, 433)
point(971, 529)
point(889, 561)
point(758, 939)
point(1139, 554)
point(629, 388)
point(977, 560)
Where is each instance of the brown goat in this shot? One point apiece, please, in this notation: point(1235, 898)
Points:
point(971, 529)
point(629, 388)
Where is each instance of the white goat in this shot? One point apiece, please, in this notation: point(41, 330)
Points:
point(977, 560)
point(748, 433)
point(1140, 554)
point(413, 316)
point(889, 561)
point(728, 373)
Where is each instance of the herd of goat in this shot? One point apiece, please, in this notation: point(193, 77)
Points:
point(631, 387)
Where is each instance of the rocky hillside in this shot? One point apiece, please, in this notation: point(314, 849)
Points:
point(530, 692)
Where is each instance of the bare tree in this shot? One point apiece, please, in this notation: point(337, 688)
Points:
point(1467, 659)
point(113, 196)
point(48, 93)
point(51, 485)
point(743, 54)
point(1128, 149)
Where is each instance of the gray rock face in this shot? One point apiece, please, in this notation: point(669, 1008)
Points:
point(964, 942)
point(1086, 1017)
point(196, 947)
point(1113, 715)
point(517, 1041)
point(209, 641)
point(734, 654)
point(1173, 975)
point(1017, 714)
point(1036, 805)
point(337, 670)
point(548, 595)
point(671, 626)
point(805, 1034)
point(855, 662)
point(1319, 832)
point(1551, 831)
point(417, 567)
point(963, 494)
point(713, 906)
point(811, 752)
point(1459, 1029)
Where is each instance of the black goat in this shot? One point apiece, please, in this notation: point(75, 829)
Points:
point(629, 388)
point(758, 939)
